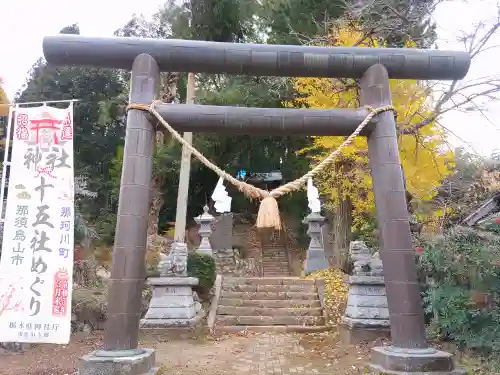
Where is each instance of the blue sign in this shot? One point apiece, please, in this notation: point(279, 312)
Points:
point(241, 174)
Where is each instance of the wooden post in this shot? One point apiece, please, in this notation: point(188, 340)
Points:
point(128, 268)
point(184, 174)
point(397, 254)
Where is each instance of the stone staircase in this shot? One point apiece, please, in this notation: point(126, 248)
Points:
point(275, 261)
point(274, 254)
point(262, 304)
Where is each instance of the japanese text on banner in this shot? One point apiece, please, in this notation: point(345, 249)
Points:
point(36, 265)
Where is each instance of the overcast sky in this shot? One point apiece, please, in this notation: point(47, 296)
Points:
point(24, 23)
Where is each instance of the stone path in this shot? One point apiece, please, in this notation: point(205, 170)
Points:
point(257, 354)
point(274, 354)
point(200, 354)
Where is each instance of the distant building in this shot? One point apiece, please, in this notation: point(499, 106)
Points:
point(489, 207)
point(266, 180)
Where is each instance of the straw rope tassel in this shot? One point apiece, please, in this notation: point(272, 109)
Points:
point(269, 215)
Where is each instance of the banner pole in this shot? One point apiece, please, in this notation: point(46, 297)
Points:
point(46, 102)
point(6, 162)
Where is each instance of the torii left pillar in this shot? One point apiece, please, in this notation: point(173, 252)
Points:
point(121, 354)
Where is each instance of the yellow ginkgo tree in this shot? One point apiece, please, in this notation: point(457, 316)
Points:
point(347, 186)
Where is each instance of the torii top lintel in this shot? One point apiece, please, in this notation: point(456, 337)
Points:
point(255, 59)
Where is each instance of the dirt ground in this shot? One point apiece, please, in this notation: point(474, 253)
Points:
point(198, 353)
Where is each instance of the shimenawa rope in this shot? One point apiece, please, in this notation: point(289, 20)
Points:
point(268, 216)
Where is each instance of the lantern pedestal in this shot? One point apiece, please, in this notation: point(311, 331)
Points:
point(173, 304)
point(366, 316)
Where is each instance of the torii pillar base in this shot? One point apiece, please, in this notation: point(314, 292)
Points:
point(389, 360)
point(137, 362)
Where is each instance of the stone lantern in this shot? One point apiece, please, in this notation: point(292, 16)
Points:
point(205, 221)
point(315, 256)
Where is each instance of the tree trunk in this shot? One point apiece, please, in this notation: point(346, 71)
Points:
point(342, 223)
point(155, 205)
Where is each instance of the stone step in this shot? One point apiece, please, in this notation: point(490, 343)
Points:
point(270, 295)
point(274, 256)
point(269, 303)
point(231, 320)
point(273, 269)
point(266, 311)
point(279, 329)
point(269, 288)
point(266, 281)
point(282, 272)
point(276, 273)
point(274, 260)
point(275, 264)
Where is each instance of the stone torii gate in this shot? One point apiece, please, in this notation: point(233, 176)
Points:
point(409, 352)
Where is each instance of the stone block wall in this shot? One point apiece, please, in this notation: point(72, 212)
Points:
point(232, 248)
point(222, 232)
point(229, 262)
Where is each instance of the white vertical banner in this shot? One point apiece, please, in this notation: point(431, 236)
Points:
point(36, 264)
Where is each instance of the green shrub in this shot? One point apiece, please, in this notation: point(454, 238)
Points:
point(462, 266)
point(105, 227)
point(491, 225)
point(202, 266)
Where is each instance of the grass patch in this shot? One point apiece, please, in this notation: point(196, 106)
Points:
point(90, 304)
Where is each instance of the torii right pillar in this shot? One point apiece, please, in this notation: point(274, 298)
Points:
point(409, 352)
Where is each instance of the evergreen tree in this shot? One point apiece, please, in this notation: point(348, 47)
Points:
point(98, 116)
point(299, 21)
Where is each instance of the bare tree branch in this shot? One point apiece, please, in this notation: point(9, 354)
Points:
point(465, 96)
